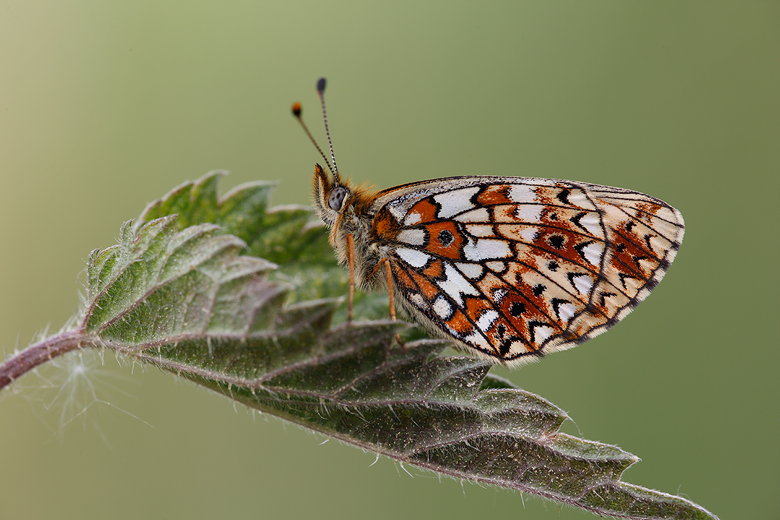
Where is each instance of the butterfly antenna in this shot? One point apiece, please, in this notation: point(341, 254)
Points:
point(297, 110)
point(321, 92)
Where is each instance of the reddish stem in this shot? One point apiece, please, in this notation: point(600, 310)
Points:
point(19, 364)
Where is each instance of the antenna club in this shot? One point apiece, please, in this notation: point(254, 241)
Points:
point(321, 92)
point(296, 110)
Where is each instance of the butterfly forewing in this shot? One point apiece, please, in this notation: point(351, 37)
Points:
point(518, 266)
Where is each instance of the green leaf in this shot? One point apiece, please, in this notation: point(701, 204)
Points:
point(290, 236)
point(187, 293)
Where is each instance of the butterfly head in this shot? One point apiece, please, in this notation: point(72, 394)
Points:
point(330, 196)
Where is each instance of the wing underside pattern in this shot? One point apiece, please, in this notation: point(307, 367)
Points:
point(513, 268)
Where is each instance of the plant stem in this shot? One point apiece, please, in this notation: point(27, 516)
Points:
point(22, 362)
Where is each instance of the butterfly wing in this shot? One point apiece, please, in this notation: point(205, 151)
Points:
point(513, 267)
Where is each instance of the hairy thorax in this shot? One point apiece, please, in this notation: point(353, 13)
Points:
point(368, 251)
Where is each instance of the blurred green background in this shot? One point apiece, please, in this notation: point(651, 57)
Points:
point(105, 106)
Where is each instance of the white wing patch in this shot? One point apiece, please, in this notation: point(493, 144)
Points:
point(521, 193)
point(542, 333)
point(454, 285)
point(583, 283)
point(486, 320)
point(412, 218)
point(413, 237)
point(529, 213)
point(593, 253)
point(413, 257)
point(473, 271)
point(486, 249)
point(496, 267)
point(455, 202)
point(566, 312)
point(578, 198)
point(480, 230)
point(592, 223)
point(478, 340)
point(442, 307)
point(475, 215)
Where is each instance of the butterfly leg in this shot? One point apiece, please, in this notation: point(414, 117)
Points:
point(351, 255)
point(389, 272)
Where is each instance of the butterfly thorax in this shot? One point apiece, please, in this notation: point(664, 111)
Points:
point(346, 211)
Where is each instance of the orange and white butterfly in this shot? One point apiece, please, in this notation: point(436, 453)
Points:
point(508, 267)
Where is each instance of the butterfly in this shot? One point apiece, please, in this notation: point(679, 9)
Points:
point(510, 268)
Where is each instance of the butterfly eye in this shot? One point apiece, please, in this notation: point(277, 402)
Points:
point(336, 197)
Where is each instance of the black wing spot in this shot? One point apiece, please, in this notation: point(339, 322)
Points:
point(516, 309)
point(620, 247)
point(623, 277)
point(576, 220)
point(556, 303)
point(552, 265)
point(647, 241)
point(604, 296)
point(539, 289)
point(572, 276)
point(505, 346)
point(532, 325)
point(637, 259)
point(473, 198)
point(629, 225)
point(556, 241)
point(445, 237)
point(563, 196)
point(579, 248)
